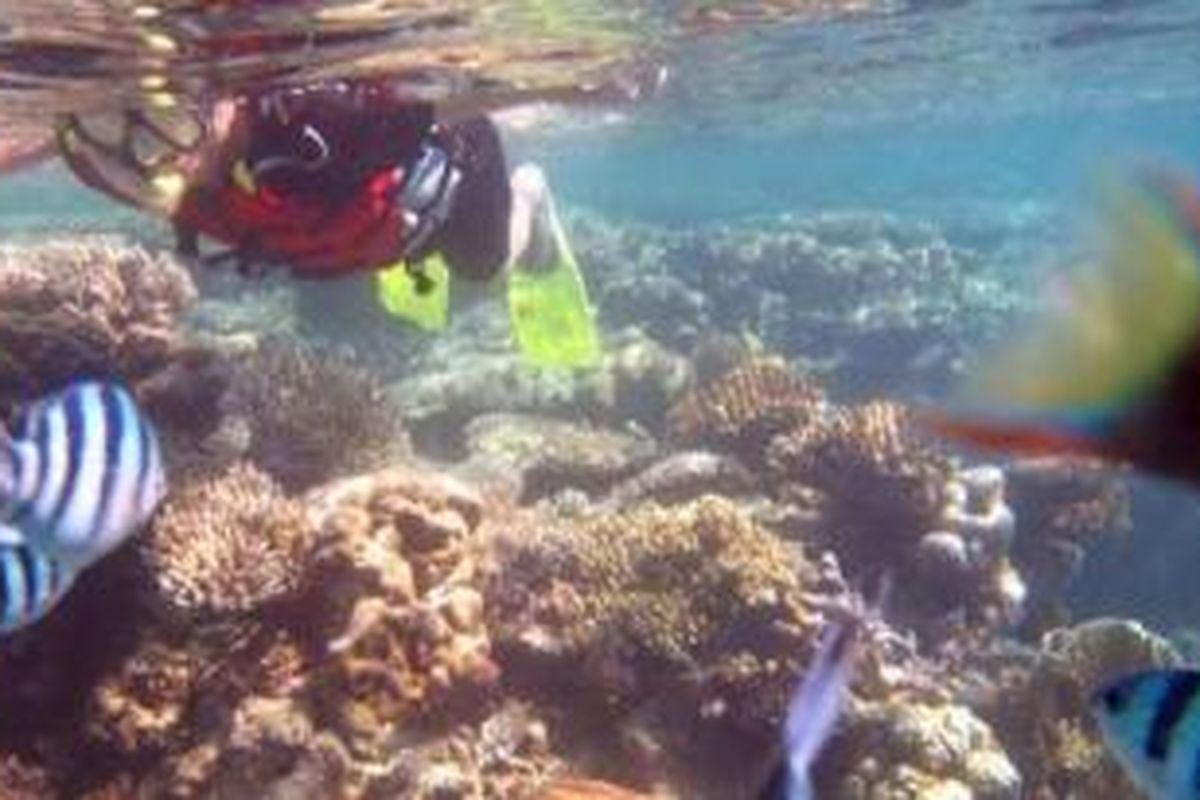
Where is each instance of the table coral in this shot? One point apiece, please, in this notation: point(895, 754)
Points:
point(543, 455)
point(88, 305)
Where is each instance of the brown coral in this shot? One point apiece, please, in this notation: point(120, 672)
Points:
point(744, 408)
point(227, 545)
point(881, 482)
point(138, 708)
point(313, 415)
point(396, 581)
point(694, 616)
point(90, 305)
point(904, 749)
point(1042, 712)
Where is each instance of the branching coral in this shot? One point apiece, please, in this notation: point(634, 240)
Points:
point(882, 484)
point(743, 409)
point(312, 415)
point(86, 306)
point(227, 545)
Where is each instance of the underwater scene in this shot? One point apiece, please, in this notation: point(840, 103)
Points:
point(581, 400)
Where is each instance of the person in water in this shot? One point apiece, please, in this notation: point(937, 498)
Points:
point(338, 177)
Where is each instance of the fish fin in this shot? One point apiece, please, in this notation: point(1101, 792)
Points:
point(1026, 438)
point(1117, 333)
point(800, 788)
point(11, 537)
point(815, 707)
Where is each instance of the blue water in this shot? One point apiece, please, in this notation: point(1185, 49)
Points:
point(940, 169)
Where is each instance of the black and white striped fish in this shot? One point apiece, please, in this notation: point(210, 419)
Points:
point(30, 583)
point(82, 472)
point(1151, 720)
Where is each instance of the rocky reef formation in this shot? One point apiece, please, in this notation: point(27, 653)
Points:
point(877, 302)
point(94, 305)
point(613, 590)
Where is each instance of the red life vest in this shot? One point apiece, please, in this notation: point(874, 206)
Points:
point(311, 239)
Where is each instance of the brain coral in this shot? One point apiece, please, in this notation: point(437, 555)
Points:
point(227, 544)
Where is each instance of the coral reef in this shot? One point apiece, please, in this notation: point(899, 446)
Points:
point(880, 488)
point(458, 379)
point(543, 456)
point(625, 612)
point(86, 306)
point(311, 415)
point(1040, 709)
point(907, 750)
point(1067, 506)
point(226, 545)
point(881, 302)
point(689, 618)
point(744, 409)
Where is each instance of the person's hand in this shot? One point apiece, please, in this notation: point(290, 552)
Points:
point(19, 151)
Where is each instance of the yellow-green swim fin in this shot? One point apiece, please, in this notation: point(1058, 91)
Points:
point(398, 293)
point(552, 318)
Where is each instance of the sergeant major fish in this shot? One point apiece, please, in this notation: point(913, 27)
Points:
point(1151, 720)
point(81, 473)
point(30, 583)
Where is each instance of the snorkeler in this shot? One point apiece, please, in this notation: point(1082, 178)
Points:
point(345, 176)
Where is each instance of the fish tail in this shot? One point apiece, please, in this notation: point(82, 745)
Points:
point(800, 787)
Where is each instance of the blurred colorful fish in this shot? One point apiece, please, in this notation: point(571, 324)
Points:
point(30, 583)
point(813, 713)
point(1114, 371)
point(80, 473)
point(1151, 720)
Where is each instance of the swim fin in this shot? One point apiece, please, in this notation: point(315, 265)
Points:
point(552, 319)
point(420, 297)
